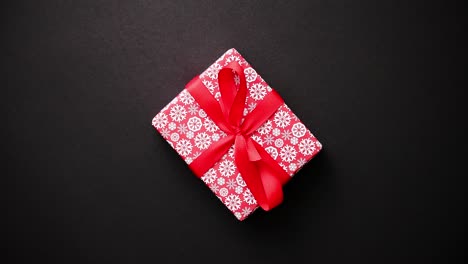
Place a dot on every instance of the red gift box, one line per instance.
(195, 130)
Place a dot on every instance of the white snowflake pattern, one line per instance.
(250, 74)
(293, 140)
(265, 128)
(236, 79)
(193, 109)
(194, 123)
(272, 151)
(160, 120)
(223, 192)
(306, 146)
(248, 197)
(231, 152)
(282, 119)
(239, 189)
(214, 187)
(286, 135)
(174, 137)
(238, 215)
(226, 168)
(186, 98)
(233, 202)
(288, 153)
(301, 162)
(177, 113)
(257, 91)
(292, 167)
(257, 139)
(209, 176)
(215, 137)
(209, 125)
(251, 106)
(202, 113)
(276, 132)
(209, 85)
(221, 181)
(165, 133)
(172, 126)
(318, 144)
(268, 139)
(184, 147)
(213, 71)
(202, 140)
(182, 129)
(246, 211)
(240, 181)
(279, 142)
(298, 130)
(231, 184)
(190, 134)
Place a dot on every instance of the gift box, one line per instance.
(237, 135)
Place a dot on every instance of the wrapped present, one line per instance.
(237, 135)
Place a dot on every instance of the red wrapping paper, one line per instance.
(190, 131)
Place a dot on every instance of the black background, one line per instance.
(90, 181)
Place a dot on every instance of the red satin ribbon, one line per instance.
(261, 173)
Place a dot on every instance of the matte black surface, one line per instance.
(90, 181)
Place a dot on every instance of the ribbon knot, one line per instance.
(263, 176)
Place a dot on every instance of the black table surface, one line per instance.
(90, 181)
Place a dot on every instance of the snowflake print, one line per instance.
(301, 162)
(258, 140)
(232, 202)
(268, 139)
(223, 192)
(307, 146)
(294, 140)
(160, 120)
(189, 134)
(231, 184)
(209, 125)
(272, 151)
(182, 129)
(193, 109)
(209, 85)
(231, 152)
(239, 189)
(194, 123)
(213, 71)
(215, 137)
(214, 187)
(238, 215)
(245, 112)
(202, 113)
(226, 168)
(298, 130)
(231, 59)
(292, 167)
(184, 147)
(240, 181)
(177, 113)
(196, 155)
(282, 119)
(165, 133)
(288, 153)
(202, 141)
(265, 128)
(250, 74)
(257, 91)
(209, 176)
(236, 79)
(221, 181)
(174, 137)
(318, 144)
(286, 135)
(276, 132)
(246, 211)
(186, 98)
(251, 106)
(172, 126)
(279, 142)
(248, 197)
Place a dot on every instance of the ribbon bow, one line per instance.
(261, 173)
